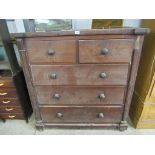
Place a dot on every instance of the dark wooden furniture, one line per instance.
(14, 97)
(81, 78)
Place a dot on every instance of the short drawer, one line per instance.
(9, 102)
(105, 51)
(81, 114)
(62, 51)
(8, 93)
(12, 115)
(79, 95)
(79, 74)
(6, 83)
(10, 109)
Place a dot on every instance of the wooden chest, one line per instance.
(81, 78)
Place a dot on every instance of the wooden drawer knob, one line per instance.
(101, 96)
(103, 75)
(57, 96)
(53, 76)
(101, 115)
(104, 51)
(59, 115)
(51, 52)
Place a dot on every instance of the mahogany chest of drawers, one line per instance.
(81, 78)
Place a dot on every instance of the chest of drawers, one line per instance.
(81, 78)
(14, 98)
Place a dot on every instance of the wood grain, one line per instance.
(81, 114)
(13, 115)
(119, 51)
(9, 102)
(79, 84)
(10, 109)
(79, 95)
(6, 83)
(79, 74)
(112, 31)
(8, 93)
(64, 51)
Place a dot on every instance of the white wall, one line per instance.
(132, 22)
(81, 24)
(15, 26)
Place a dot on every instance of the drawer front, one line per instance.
(8, 93)
(10, 109)
(105, 51)
(80, 95)
(9, 102)
(6, 83)
(81, 114)
(79, 74)
(62, 51)
(12, 115)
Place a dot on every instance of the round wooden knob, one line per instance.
(56, 96)
(102, 96)
(53, 76)
(104, 51)
(103, 75)
(101, 115)
(51, 52)
(59, 115)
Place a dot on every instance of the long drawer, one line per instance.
(12, 109)
(60, 95)
(9, 102)
(108, 74)
(12, 115)
(47, 51)
(81, 114)
(8, 93)
(6, 83)
(106, 51)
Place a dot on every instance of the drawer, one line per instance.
(62, 51)
(79, 74)
(79, 95)
(81, 114)
(105, 51)
(6, 83)
(8, 93)
(9, 102)
(10, 109)
(12, 116)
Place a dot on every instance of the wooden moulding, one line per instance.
(115, 31)
(21, 47)
(133, 74)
